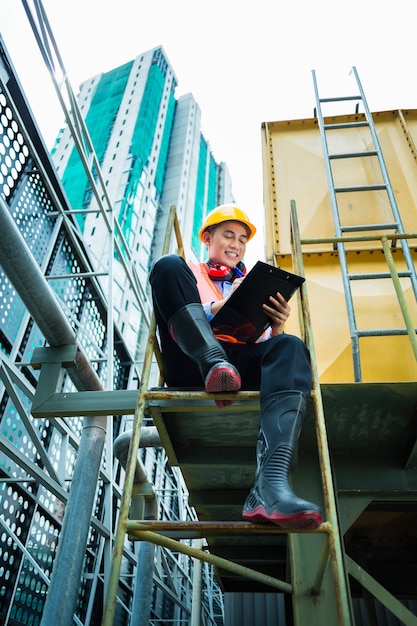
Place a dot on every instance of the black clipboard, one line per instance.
(242, 316)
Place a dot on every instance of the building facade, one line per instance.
(152, 154)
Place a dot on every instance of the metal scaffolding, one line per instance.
(58, 477)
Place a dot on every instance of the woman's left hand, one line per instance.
(278, 310)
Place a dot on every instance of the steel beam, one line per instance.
(387, 599)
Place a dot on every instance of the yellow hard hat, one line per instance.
(227, 213)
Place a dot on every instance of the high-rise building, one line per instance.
(152, 155)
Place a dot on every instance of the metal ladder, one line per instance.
(391, 231)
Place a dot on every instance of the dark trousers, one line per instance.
(281, 363)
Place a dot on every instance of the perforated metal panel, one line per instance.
(13, 149)
(30, 514)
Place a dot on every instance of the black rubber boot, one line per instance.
(191, 331)
(271, 498)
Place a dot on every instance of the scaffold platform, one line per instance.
(371, 430)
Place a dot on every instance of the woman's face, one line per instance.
(226, 243)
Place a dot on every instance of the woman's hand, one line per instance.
(278, 310)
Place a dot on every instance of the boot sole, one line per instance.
(305, 520)
(222, 378)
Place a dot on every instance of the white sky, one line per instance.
(245, 62)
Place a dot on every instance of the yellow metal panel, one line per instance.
(383, 358)
(293, 168)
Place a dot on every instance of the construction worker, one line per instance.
(185, 298)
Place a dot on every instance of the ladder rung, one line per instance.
(345, 125)
(353, 155)
(377, 275)
(361, 227)
(376, 187)
(340, 99)
(193, 529)
(382, 332)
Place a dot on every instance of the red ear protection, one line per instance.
(223, 272)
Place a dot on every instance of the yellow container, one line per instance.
(294, 169)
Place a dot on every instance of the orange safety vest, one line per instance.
(209, 292)
(207, 288)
